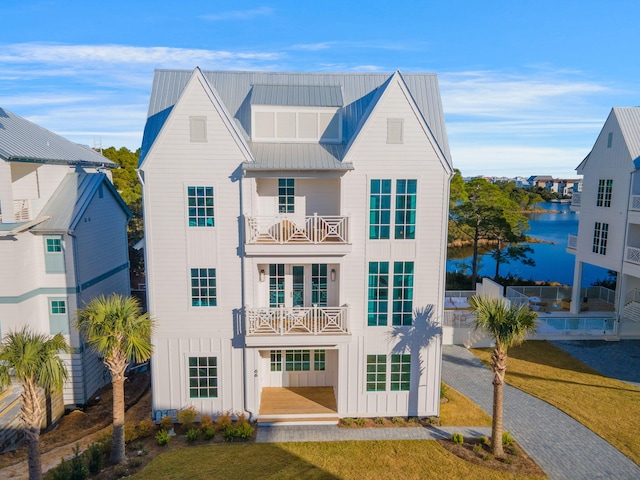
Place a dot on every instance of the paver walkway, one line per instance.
(564, 448)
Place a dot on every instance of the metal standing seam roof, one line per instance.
(68, 203)
(24, 141)
(235, 90)
(297, 95)
(629, 121)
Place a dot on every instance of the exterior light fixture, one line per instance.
(262, 275)
(333, 274)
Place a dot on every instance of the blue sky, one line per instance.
(526, 85)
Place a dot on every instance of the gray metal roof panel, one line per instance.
(297, 95)
(297, 156)
(357, 89)
(629, 121)
(21, 140)
(71, 198)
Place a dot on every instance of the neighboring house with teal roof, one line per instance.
(295, 240)
(63, 240)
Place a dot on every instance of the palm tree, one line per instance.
(36, 364)
(508, 326)
(117, 330)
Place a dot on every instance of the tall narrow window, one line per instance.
(376, 373)
(200, 206)
(203, 377)
(276, 285)
(400, 372)
(402, 293)
(609, 139)
(276, 360)
(319, 360)
(380, 209)
(319, 284)
(53, 254)
(378, 294)
(600, 235)
(405, 209)
(58, 316)
(286, 195)
(203, 287)
(605, 190)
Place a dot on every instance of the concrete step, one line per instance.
(275, 420)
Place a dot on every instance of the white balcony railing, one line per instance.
(576, 198)
(633, 255)
(635, 202)
(312, 230)
(21, 210)
(572, 242)
(298, 321)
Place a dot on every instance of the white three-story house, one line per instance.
(296, 231)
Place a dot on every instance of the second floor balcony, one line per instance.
(297, 235)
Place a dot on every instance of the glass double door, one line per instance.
(298, 285)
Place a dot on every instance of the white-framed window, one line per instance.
(203, 377)
(297, 360)
(286, 195)
(58, 316)
(399, 377)
(381, 220)
(200, 205)
(275, 360)
(400, 372)
(376, 373)
(402, 311)
(605, 190)
(600, 235)
(378, 294)
(54, 254)
(203, 287)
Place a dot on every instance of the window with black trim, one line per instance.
(600, 235)
(605, 190)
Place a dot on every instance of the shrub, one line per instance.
(193, 434)
(223, 421)
(187, 416)
(347, 422)
(443, 389)
(457, 438)
(166, 423)
(433, 421)
(397, 420)
(483, 440)
(61, 472)
(79, 469)
(130, 432)
(244, 430)
(507, 439)
(209, 432)
(163, 437)
(242, 419)
(487, 457)
(414, 420)
(507, 460)
(145, 428)
(360, 421)
(379, 421)
(205, 421)
(95, 458)
(477, 448)
(229, 433)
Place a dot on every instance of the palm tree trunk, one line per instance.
(499, 366)
(31, 412)
(33, 444)
(117, 446)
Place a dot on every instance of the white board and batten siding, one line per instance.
(173, 248)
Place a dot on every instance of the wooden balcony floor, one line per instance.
(299, 401)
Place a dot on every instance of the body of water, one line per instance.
(553, 263)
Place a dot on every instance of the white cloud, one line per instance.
(238, 14)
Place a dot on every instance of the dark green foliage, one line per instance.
(79, 468)
(507, 439)
(443, 389)
(193, 434)
(244, 430)
(229, 433)
(457, 438)
(209, 432)
(95, 458)
(163, 437)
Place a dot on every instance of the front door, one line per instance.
(298, 285)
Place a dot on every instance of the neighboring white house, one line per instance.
(295, 229)
(63, 240)
(609, 206)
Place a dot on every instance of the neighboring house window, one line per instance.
(605, 189)
(286, 195)
(380, 209)
(58, 316)
(319, 284)
(380, 218)
(276, 360)
(203, 377)
(200, 202)
(378, 296)
(319, 360)
(405, 209)
(276, 285)
(395, 133)
(609, 139)
(198, 129)
(400, 372)
(600, 234)
(402, 293)
(203, 287)
(54, 254)
(376, 373)
(298, 360)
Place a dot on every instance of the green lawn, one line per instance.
(608, 407)
(327, 460)
(459, 411)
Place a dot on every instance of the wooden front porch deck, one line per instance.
(298, 405)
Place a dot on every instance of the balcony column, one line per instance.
(6, 193)
(577, 283)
